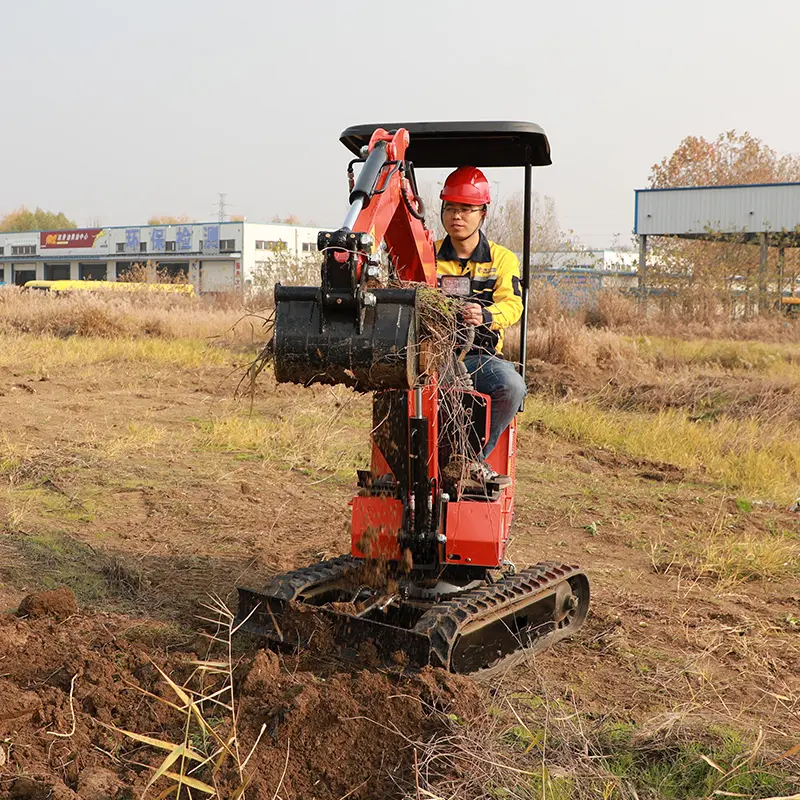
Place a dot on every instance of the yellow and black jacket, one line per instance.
(494, 271)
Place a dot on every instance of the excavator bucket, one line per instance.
(365, 345)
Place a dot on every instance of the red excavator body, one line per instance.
(445, 593)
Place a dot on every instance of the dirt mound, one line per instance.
(323, 733)
(57, 603)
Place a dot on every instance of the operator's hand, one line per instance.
(472, 314)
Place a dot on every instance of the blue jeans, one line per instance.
(501, 381)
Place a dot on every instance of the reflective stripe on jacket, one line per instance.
(494, 271)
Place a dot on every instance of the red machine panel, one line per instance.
(478, 532)
(377, 523)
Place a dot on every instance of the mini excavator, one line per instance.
(447, 596)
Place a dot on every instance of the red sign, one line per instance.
(64, 240)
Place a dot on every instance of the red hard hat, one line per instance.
(467, 185)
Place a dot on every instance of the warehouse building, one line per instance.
(214, 256)
(762, 214)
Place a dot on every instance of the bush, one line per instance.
(612, 310)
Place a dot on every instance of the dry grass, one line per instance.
(760, 460)
(707, 396)
(774, 359)
(40, 354)
(326, 430)
(727, 554)
(207, 704)
(765, 328)
(538, 743)
(567, 342)
(128, 316)
(613, 310)
(730, 558)
(544, 303)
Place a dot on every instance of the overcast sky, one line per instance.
(114, 111)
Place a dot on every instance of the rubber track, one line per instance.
(443, 623)
(290, 584)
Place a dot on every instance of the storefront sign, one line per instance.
(68, 240)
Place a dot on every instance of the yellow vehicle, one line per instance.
(64, 287)
(791, 305)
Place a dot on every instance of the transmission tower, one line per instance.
(221, 206)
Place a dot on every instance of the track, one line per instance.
(532, 610)
(477, 631)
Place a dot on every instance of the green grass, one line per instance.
(675, 770)
(746, 456)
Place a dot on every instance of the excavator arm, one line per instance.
(345, 331)
(389, 208)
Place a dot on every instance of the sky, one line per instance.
(115, 111)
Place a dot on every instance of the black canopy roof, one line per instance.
(458, 144)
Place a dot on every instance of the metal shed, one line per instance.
(765, 214)
(695, 212)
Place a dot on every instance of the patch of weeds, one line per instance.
(744, 505)
(677, 767)
(125, 579)
(67, 509)
(754, 456)
(521, 737)
(60, 560)
(730, 557)
(591, 528)
(553, 787)
(328, 438)
(63, 561)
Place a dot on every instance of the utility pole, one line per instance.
(221, 206)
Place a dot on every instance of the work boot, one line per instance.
(481, 472)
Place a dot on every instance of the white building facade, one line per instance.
(603, 260)
(214, 256)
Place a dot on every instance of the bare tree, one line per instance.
(504, 222)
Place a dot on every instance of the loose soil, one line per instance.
(62, 681)
(143, 530)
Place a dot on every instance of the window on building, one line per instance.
(23, 250)
(56, 272)
(2, 250)
(309, 247)
(276, 246)
(120, 247)
(142, 247)
(227, 244)
(2, 275)
(92, 272)
(169, 246)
